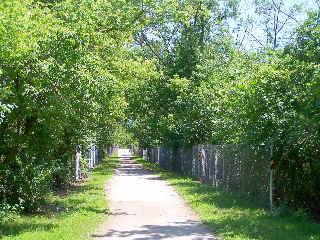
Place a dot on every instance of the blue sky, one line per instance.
(255, 32)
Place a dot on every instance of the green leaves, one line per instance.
(65, 66)
(155, 72)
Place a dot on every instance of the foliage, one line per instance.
(271, 98)
(61, 87)
(8, 212)
(69, 214)
(77, 73)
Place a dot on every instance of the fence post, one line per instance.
(223, 173)
(271, 178)
(77, 165)
(194, 160)
(215, 166)
(91, 157)
(203, 159)
(94, 156)
(144, 154)
(271, 186)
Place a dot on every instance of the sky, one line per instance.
(255, 35)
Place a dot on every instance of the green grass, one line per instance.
(233, 218)
(71, 216)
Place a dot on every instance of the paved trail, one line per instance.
(146, 207)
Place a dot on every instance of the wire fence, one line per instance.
(241, 169)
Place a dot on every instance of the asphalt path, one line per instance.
(143, 206)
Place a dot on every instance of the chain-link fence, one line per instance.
(112, 149)
(241, 169)
(136, 150)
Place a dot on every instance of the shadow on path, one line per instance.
(129, 168)
(176, 230)
(143, 206)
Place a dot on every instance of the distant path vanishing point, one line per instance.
(145, 207)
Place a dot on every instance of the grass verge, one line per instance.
(71, 216)
(233, 218)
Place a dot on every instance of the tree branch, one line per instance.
(256, 39)
(289, 16)
(147, 42)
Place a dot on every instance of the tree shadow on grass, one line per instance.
(74, 189)
(264, 227)
(17, 228)
(239, 217)
(60, 206)
(107, 167)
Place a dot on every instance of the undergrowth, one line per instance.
(67, 215)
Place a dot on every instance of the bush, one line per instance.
(26, 185)
(8, 212)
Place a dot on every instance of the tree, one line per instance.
(180, 30)
(62, 86)
(271, 25)
(178, 37)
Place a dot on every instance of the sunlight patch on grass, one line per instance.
(70, 217)
(234, 218)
